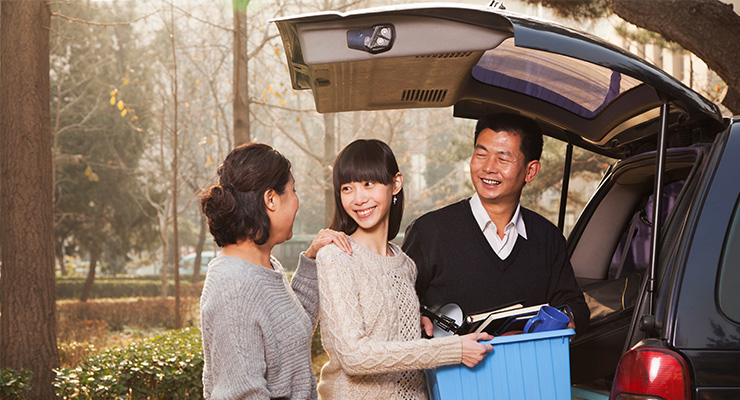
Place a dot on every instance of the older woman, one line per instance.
(256, 326)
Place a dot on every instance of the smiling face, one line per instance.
(369, 203)
(499, 169)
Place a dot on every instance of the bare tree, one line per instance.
(241, 73)
(28, 323)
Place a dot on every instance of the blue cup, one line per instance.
(547, 319)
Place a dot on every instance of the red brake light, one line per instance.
(651, 372)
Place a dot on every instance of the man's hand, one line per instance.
(426, 326)
(571, 323)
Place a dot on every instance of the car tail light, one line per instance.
(651, 373)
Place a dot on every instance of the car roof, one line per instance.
(480, 60)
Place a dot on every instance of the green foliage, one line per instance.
(164, 367)
(13, 383)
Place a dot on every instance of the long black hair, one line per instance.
(364, 160)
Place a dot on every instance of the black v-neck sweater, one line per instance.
(456, 264)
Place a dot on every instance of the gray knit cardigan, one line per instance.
(257, 330)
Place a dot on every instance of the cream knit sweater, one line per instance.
(370, 327)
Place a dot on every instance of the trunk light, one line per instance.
(651, 373)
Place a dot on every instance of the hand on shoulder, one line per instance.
(326, 236)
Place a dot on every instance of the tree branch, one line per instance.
(707, 28)
(82, 21)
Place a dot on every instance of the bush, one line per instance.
(13, 383)
(164, 367)
(71, 288)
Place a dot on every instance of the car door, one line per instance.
(479, 60)
(701, 310)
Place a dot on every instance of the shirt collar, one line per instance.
(483, 219)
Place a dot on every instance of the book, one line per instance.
(499, 321)
(449, 319)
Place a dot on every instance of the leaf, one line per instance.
(120, 104)
(124, 112)
(91, 176)
(113, 100)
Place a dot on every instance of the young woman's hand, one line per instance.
(326, 236)
(473, 352)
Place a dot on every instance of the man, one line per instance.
(488, 251)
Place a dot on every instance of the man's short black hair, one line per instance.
(526, 128)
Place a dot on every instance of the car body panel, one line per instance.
(695, 324)
(437, 49)
(698, 322)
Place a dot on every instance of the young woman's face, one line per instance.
(282, 221)
(367, 203)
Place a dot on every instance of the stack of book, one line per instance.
(496, 322)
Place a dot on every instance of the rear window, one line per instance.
(577, 86)
(729, 277)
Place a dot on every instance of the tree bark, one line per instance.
(28, 322)
(241, 74)
(90, 279)
(330, 137)
(707, 28)
(199, 249)
(175, 145)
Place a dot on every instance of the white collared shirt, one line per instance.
(515, 227)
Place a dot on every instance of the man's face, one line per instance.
(498, 167)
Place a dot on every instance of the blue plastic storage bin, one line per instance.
(527, 366)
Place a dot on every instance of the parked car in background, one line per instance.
(187, 262)
(656, 250)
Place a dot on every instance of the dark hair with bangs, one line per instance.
(235, 208)
(527, 129)
(364, 160)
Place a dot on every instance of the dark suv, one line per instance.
(657, 249)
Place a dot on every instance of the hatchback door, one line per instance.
(480, 60)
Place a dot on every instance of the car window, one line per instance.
(729, 277)
(577, 86)
(639, 232)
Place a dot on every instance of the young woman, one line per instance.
(370, 318)
(256, 326)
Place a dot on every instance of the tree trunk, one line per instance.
(241, 74)
(707, 28)
(90, 280)
(330, 137)
(175, 144)
(164, 272)
(27, 294)
(199, 249)
(59, 252)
